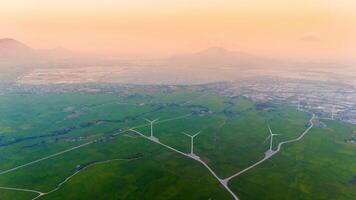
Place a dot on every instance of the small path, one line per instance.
(196, 158)
(45, 158)
(84, 168)
(224, 182)
(83, 145)
(274, 152)
(40, 194)
(22, 190)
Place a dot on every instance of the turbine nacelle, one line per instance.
(151, 121)
(192, 136)
(271, 134)
(192, 142)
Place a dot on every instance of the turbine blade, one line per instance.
(197, 134)
(147, 120)
(186, 134)
(270, 131)
(267, 139)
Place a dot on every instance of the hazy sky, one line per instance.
(278, 28)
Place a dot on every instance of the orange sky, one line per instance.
(277, 28)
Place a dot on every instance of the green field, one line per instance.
(322, 166)
(120, 164)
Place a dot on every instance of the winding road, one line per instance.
(77, 172)
(85, 144)
(223, 182)
(69, 150)
(275, 152)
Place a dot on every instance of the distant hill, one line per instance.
(16, 59)
(13, 49)
(13, 52)
(217, 56)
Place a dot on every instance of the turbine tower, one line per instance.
(332, 112)
(192, 142)
(151, 123)
(271, 139)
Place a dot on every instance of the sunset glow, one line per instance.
(306, 28)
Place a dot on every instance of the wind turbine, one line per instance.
(271, 140)
(192, 141)
(332, 112)
(298, 103)
(151, 123)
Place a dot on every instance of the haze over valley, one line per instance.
(214, 64)
(178, 100)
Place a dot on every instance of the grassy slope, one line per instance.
(30, 115)
(321, 166)
(157, 173)
(232, 138)
(16, 195)
(164, 175)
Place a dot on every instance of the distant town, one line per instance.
(327, 99)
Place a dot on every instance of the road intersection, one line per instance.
(223, 181)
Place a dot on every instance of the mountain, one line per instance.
(210, 65)
(13, 49)
(219, 57)
(13, 52)
(17, 59)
